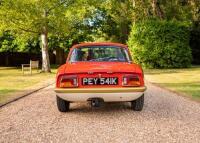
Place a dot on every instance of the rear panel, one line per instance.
(104, 76)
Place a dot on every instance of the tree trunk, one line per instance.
(45, 53)
(157, 11)
(134, 4)
(60, 56)
(124, 31)
(7, 59)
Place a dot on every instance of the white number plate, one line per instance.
(100, 81)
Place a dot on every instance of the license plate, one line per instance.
(100, 81)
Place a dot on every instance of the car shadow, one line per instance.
(105, 107)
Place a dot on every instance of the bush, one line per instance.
(160, 44)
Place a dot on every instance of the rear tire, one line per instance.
(63, 106)
(137, 105)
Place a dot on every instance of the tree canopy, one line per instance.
(43, 17)
(60, 23)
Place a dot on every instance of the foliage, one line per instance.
(115, 17)
(160, 44)
(25, 16)
(44, 17)
(114, 20)
(181, 10)
(67, 22)
(10, 42)
(7, 42)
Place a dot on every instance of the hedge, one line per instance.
(160, 44)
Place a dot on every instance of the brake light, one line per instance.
(68, 81)
(131, 80)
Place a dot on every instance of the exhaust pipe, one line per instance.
(96, 102)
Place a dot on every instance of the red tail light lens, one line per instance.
(68, 81)
(131, 80)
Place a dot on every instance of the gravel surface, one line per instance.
(165, 118)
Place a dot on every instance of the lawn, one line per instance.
(12, 81)
(186, 81)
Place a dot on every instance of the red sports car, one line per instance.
(99, 72)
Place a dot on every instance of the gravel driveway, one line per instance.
(166, 118)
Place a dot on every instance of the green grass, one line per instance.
(12, 80)
(185, 81)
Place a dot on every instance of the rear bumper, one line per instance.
(107, 94)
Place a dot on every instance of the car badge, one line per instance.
(90, 72)
(99, 75)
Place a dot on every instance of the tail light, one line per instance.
(68, 81)
(131, 80)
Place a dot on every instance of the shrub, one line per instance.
(160, 44)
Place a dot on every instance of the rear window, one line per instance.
(100, 54)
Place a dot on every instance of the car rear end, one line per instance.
(104, 73)
(110, 87)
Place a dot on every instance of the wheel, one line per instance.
(63, 106)
(137, 105)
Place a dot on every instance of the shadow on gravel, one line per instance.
(106, 107)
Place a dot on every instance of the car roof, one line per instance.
(99, 44)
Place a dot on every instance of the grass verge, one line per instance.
(186, 81)
(12, 81)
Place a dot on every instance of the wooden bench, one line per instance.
(32, 65)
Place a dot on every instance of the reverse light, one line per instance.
(131, 80)
(67, 81)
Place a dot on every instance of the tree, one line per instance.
(9, 42)
(42, 17)
(115, 18)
